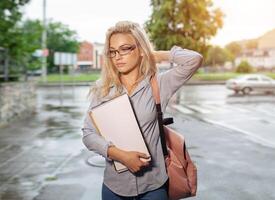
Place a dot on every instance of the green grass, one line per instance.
(222, 76)
(214, 76)
(53, 78)
(271, 75)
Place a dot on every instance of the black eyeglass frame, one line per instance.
(115, 51)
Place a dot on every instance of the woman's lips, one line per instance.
(120, 64)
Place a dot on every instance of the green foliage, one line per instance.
(10, 15)
(251, 44)
(188, 23)
(25, 37)
(60, 38)
(234, 48)
(29, 40)
(217, 56)
(51, 178)
(244, 67)
(10, 34)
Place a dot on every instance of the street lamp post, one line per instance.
(44, 43)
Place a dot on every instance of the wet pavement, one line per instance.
(252, 115)
(43, 158)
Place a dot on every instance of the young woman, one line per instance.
(129, 64)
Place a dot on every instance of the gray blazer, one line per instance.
(154, 176)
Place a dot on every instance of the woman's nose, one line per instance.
(118, 56)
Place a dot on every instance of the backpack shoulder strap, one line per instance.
(156, 95)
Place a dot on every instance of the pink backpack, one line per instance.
(181, 170)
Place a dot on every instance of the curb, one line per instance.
(91, 83)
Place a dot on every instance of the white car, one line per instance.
(251, 82)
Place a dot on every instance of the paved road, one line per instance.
(252, 115)
(42, 157)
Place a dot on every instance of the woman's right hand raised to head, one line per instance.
(131, 159)
(161, 56)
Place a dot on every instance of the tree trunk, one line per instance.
(6, 65)
(25, 69)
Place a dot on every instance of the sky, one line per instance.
(244, 19)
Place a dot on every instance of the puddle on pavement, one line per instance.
(50, 107)
(16, 147)
(60, 129)
(196, 156)
(3, 178)
(60, 133)
(18, 189)
(64, 109)
(264, 121)
(3, 146)
(11, 194)
(10, 152)
(24, 183)
(58, 96)
(54, 122)
(192, 147)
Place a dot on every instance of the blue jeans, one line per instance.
(158, 194)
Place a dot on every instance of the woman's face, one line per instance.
(124, 52)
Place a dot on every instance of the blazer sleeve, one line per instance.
(91, 138)
(187, 62)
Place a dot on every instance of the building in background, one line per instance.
(259, 58)
(98, 55)
(263, 57)
(90, 56)
(267, 41)
(85, 56)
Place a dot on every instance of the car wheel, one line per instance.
(246, 90)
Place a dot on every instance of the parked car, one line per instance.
(251, 82)
(37, 72)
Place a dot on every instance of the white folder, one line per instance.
(116, 122)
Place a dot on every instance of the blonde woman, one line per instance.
(130, 62)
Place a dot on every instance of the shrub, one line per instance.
(244, 67)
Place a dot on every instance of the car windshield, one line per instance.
(266, 78)
(240, 77)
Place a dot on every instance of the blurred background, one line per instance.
(51, 54)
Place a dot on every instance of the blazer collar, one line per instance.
(143, 83)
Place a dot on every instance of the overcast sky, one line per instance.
(244, 19)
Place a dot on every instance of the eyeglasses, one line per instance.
(122, 50)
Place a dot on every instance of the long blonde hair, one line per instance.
(109, 73)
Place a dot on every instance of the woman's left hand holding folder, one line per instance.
(131, 159)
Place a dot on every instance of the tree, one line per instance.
(217, 56)
(188, 23)
(26, 40)
(234, 48)
(10, 15)
(251, 44)
(31, 31)
(60, 38)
